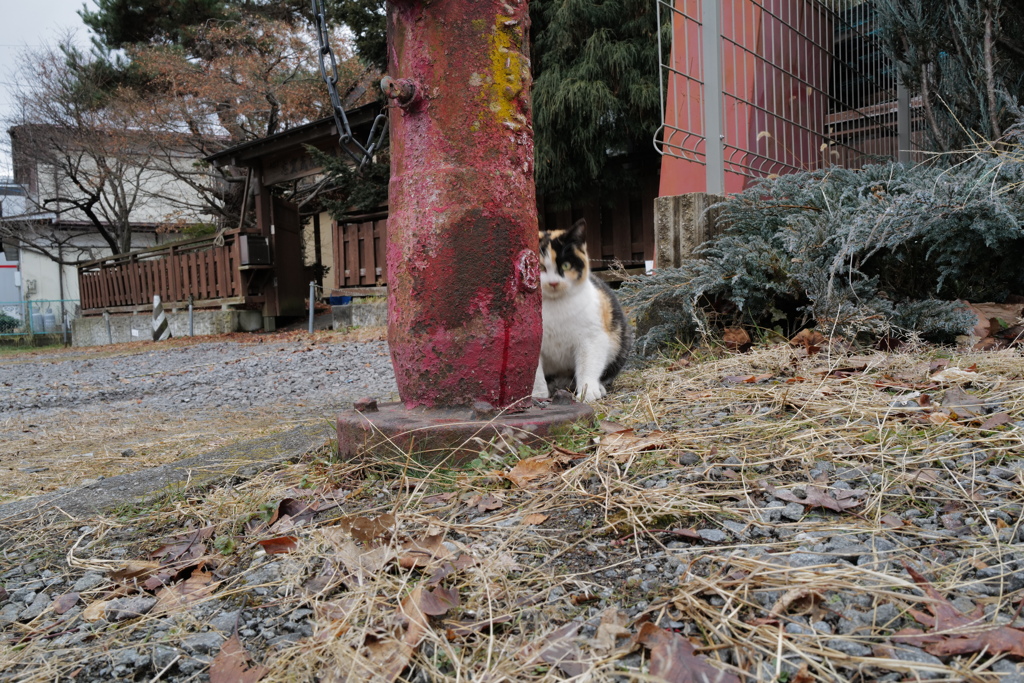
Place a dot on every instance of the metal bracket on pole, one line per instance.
(711, 35)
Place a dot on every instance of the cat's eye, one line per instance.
(566, 266)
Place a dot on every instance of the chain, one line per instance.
(329, 72)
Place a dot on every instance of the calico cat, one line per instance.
(586, 337)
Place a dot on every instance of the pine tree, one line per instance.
(965, 58)
(595, 93)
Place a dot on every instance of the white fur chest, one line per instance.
(571, 322)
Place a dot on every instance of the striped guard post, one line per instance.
(161, 330)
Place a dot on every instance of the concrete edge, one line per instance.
(147, 486)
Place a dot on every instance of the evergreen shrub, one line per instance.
(886, 250)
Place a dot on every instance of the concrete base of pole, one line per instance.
(446, 436)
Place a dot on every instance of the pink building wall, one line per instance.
(774, 79)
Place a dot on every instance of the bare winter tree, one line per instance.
(110, 146)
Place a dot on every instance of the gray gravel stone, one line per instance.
(203, 643)
(713, 535)
(89, 581)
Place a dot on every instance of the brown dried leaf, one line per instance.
(623, 445)
(279, 545)
(817, 496)
(438, 601)
(136, 570)
(460, 629)
(610, 630)
(439, 498)
(943, 618)
(422, 552)
(534, 519)
(95, 611)
(996, 420)
(532, 471)
(673, 659)
(811, 340)
(558, 648)
(62, 603)
(736, 339)
(746, 379)
(193, 589)
(233, 664)
(796, 600)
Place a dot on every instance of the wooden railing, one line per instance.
(197, 268)
(359, 250)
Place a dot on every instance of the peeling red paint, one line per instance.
(463, 311)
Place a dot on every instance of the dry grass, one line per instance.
(812, 421)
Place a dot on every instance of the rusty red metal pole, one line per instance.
(463, 301)
(464, 306)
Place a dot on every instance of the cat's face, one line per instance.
(563, 259)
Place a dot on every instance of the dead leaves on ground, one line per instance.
(672, 657)
(955, 633)
(814, 495)
(233, 664)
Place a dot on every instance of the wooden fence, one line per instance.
(619, 231)
(359, 250)
(199, 268)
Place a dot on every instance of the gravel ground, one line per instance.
(202, 376)
(770, 520)
(71, 415)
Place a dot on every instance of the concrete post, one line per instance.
(681, 224)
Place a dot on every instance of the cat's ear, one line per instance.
(578, 231)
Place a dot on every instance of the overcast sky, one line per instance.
(31, 24)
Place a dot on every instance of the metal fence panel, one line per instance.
(42, 316)
(777, 86)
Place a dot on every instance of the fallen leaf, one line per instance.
(534, 470)
(746, 379)
(135, 570)
(736, 339)
(279, 545)
(811, 340)
(62, 603)
(962, 406)
(673, 659)
(422, 552)
(439, 498)
(438, 601)
(996, 420)
(95, 611)
(233, 664)
(944, 619)
(623, 445)
(460, 629)
(560, 649)
(796, 600)
(610, 630)
(534, 519)
(193, 589)
(189, 548)
(816, 496)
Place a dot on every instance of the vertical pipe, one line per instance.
(903, 153)
(312, 302)
(191, 326)
(711, 37)
(463, 273)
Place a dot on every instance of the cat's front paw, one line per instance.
(594, 392)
